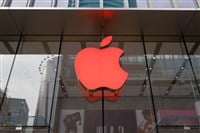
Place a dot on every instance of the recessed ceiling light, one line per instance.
(182, 68)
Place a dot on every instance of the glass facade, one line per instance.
(102, 3)
(39, 87)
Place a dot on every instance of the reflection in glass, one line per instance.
(72, 3)
(1, 2)
(62, 3)
(88, 3)
(19, 3)
(110, 3)
(186, 3)
(132, 3)
(142, 4)
(161, 3)
(43, 3)
(194, 52)
(133, 61)
(172, 78)
(75, 112)
(31, 86)
(7, 51)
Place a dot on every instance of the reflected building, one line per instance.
(47, 69)
(18, 112)
(4, 113)
(15, 113)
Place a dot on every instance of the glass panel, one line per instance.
(194, 52)
(132, 3)
(130, 108)
(72, 3)
(186, 3)
(30, 90)
(77, 112)
(88, 3)
(62, 3)
(7, 53)
(161, 3)
(173, 84)
(19, 3)
(43, 3)
(1, 1)
(110, 3)
(142, 4)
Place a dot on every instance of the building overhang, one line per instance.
(98, 22)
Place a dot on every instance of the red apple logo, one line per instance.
(100, 68)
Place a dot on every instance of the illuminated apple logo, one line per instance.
(100, 68)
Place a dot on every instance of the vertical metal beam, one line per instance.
(151, 66)
(150, 86)
(190, 61)
(103, 100)
(55, 82)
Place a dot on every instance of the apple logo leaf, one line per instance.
(106, 41)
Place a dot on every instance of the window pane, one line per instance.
(126, 102)
(161, 3)
(110, 3)
(30, 89)
(132, 3)
(7, 53)
(142, 3)
(173, 84)
(1, 1)
(88, 3)
(72, 3)
(62, 3)
(19, 3)
(43, 3)
(186, 3)
(75, 109)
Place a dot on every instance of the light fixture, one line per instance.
(182, 68)
(18, 128)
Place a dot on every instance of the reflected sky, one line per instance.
(25, 81)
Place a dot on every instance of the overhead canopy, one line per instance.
(95, 22)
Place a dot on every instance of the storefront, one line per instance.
(40, 91)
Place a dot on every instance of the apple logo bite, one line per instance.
(100, 68)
